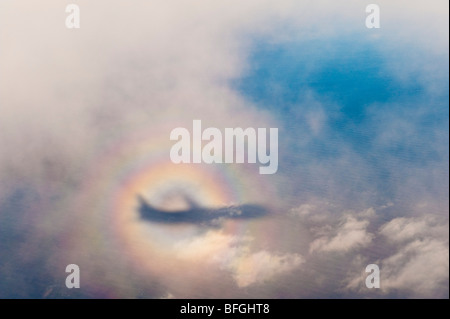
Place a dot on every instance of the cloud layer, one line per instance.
(363, 125)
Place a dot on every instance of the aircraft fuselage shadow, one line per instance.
(198, 215)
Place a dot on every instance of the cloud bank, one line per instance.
(363, 167)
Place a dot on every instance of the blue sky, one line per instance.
(351, 77)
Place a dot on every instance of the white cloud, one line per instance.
(349, 235)
(168, 296)
(232, 253)
(403, 229)
(415, 262)
(262, 266)
(420, 268)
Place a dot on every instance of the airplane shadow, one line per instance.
(199, 215)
